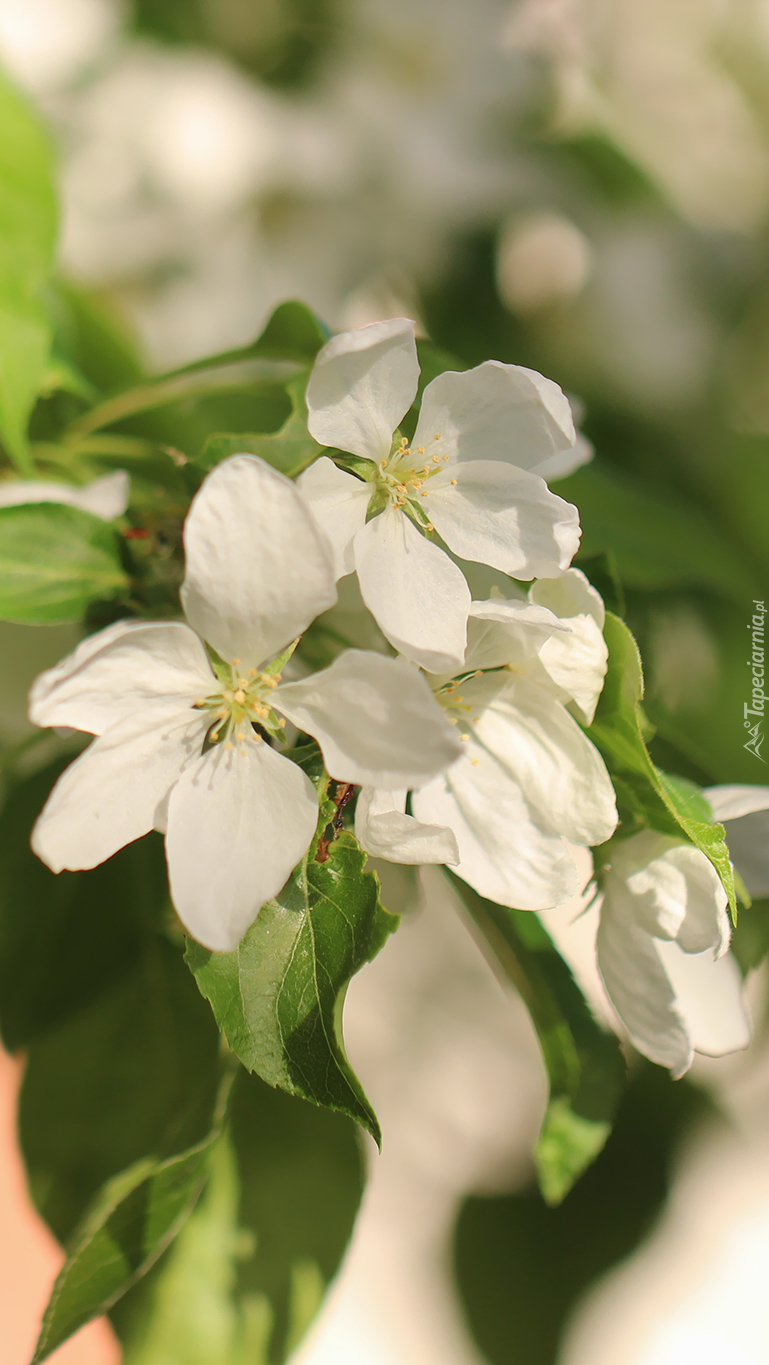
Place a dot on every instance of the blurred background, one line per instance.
(580, 186)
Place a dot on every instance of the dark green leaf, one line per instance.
(278, 997)
(129, 1225)
(27, 233)
(646, 796)
(132, 1075)
(54, 560)
(584, 1064)
(291, 449)
(66, 939)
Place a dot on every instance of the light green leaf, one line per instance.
(130, 1224)
(54, 561)
(646, 796)
(291, 449)
(584, 1064)
(278, 997)
(27, 234)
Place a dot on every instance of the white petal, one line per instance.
(730, 802)
(504, 632)
(385, 831)
(419, 597)
(109, 796)
(496, 412)
(577, 664)
(239, 821)
(565, 461)
(571, 594)
(562, 774)
(503, 853)
(339, 502)
(375, 719)
(503, 516)
(637, 983)
(106, 497)
(117, 672)
(362, 385)
(710, 997)
(258, 569)
(676, 891)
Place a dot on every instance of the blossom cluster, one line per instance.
(467, 742)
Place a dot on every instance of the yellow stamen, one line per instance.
(453, 483)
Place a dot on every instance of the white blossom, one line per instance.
(528, 780)
(177, 748)
(662, 952)
(470, 474)
(106, 497)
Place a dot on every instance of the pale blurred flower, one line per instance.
(744, 813)
(48, 44)
(543, 259)
(107, 497)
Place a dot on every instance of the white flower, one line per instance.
(661, 949)
(176, 748)
(470, 474)
(528, 779)
(106, 497)
(744, 813)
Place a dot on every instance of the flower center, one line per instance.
(403, 476)
(451, 698)
(245, 700)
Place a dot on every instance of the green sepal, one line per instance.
(584, 1063)
(54, 561)
(646, 796)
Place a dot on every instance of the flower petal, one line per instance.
(505, 632)
(562, 774)
(375, 719)
(503, 853)
(496, 412)
(637, 983)
(258, 569)
(503, 516)
(114, 674)
(571, 594)
(106, 497)
(239, 820)
(385, 831)
(109, 796)
(731, 802)
(677, 892)
(565, 461)
(338, 502)
(710, 997)
(419, 597)
(577, 662)
(362, 385)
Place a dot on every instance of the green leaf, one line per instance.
(291, 449)
(54, 561)
(59, 948)
(133, 1074)
(584, 1064)
(646, 796)
(293, 332)
(27, 234)
(130, 1224)
(249, 1269)
(278, 997)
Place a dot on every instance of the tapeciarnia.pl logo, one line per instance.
(753, 711)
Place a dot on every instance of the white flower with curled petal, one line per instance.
(662, 947)
(470, 474)
(528, 779)
(106, 497)
(178, 748)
